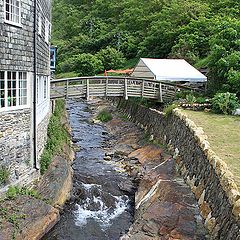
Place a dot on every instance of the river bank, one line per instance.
(125, 186)
(28, 213)
(164, 206)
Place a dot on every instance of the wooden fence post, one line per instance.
(87, 89)
(66, 89)
(125, 89)
(160, 92)
(142, 88)
(106, 89)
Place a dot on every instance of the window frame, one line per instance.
(42, 89)
(18, 24)
(18, 88)
(46, 34)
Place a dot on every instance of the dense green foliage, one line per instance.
(57, 136)
(95, 35)
(225, 103)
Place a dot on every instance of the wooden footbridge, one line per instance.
(99, 86)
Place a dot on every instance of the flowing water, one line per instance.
(98, 209)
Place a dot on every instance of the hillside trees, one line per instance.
(204, 32)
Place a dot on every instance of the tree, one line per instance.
(111, 58)
(84, 64)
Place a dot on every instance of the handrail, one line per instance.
(75, 79)
(115, 86)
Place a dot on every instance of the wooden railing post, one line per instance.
(125, 89)
(106, 89)
(160, 93)
(142, 88)
(87, 89)
(66, 89)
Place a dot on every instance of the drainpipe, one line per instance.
(35, 165)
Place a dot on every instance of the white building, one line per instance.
(169, 70)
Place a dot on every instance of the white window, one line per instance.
(13, 89)
(42, 89)
(40, 24)
(13, 11)
(47, 25)
(45, 87)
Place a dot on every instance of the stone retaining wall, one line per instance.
(15, 147)
(207, 175)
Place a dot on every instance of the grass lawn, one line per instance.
(223, 135)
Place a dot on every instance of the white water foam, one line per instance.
(104, 214)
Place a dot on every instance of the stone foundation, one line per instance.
(15, 143)
(206, 174)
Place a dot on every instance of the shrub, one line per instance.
(104, 116)
(169, 109)
(225, 103)
(111, 58)
(190, 98)
(4, 175)
(84, 64)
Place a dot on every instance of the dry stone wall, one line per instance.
(207, 175)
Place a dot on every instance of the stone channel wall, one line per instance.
(206, 174)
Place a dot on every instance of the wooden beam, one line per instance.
(106, 89)
(160, 92)
(125, 89)
(87, 89)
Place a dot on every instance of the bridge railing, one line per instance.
(101, 86)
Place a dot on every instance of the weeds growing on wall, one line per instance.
(57, 136)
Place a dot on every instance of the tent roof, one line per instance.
(173, 70)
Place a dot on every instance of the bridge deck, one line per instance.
(86, 87)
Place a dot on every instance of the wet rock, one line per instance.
(150, 228)
(127, 186)
(56, 184)
(38, 218)
(107, 158)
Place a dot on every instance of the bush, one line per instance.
(169, 109)
(84, 64)
(104, 116)
(190, 98)
(225, 103)
(111, 58)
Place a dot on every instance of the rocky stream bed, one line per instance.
(124, 186)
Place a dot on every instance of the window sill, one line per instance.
(14, 24)
(12, 109)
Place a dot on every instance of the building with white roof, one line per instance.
(173, 70)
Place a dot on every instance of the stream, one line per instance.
(98, 209)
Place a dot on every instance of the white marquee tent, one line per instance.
(174, 70)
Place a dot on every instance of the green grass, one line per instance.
(57, 136)
(223, 133)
